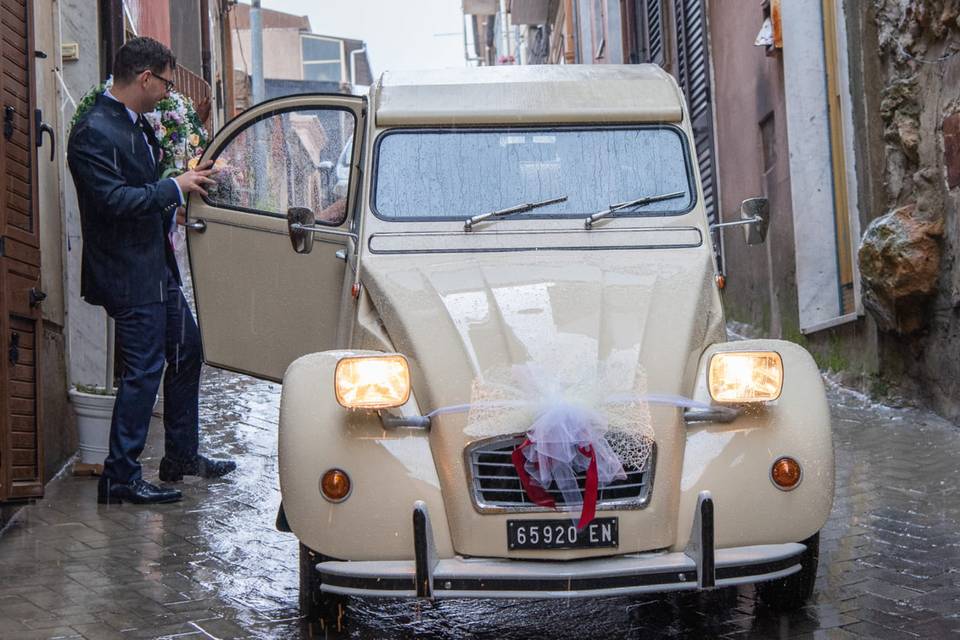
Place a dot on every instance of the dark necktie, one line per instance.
(149, 137)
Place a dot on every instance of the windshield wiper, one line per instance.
(588, 223)
(480, 217)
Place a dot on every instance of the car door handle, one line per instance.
(197, 225)
(341, 254)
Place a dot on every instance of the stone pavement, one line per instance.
(214, 567)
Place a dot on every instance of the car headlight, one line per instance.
(745, 376)
(372, 382)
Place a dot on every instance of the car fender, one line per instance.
(389, 469)
(733, 460)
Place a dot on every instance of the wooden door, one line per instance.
(21, 454)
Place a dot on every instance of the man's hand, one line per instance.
(196, 179)
(203, 109)
(181, 215)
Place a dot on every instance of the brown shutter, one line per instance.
(693, 74)
(653, 30)
(21, 455)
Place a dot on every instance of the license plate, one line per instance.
(561, 534)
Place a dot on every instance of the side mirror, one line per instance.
(755, 214)
(300, 238)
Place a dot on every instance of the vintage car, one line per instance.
(522, 254)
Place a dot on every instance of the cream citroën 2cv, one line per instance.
(505, 366)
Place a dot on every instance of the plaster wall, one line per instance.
(86, 324)
(614, 46)
(58, 432)
(152, 17)
(753, 160)
(282, 57)
(185, 34)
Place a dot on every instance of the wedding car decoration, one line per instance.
(585, 428)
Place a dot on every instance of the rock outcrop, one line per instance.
(899, 267)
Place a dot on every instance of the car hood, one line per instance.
(638, 318)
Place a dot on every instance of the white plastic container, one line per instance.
(93, 424)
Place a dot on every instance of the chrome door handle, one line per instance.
(341, 254)
(197, 225)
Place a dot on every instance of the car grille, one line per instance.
(496, 487)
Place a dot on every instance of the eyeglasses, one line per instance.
(170, 84)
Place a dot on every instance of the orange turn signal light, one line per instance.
(786, 473)
(335, 485)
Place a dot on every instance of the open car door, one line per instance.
(260, 304)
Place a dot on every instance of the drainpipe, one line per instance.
(505, 29)
(569, 39)
(353, 64)
(226, 44)
(205, 42)
(256, 52)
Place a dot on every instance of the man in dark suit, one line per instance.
(128, 267)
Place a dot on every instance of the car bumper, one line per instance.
(700, 566)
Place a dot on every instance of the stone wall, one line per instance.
(908, 255)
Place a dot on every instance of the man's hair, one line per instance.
(138, 55)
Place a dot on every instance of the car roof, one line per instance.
(519, 94)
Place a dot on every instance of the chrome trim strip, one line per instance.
(460, 577)
(276, 232)
(713, 414)
(481, 506)
(584, 244)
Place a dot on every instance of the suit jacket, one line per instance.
(125, 209)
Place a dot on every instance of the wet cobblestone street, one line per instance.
(213, 566)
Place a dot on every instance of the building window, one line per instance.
(322, 58)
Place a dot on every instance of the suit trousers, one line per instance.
(148, 336)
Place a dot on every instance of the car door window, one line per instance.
(287, 159)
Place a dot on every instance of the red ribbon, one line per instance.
(589, 509)
(534, 491)
(540, 496)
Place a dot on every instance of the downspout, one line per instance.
(256, 55)
(569, 39)
(226, 43)
(205, 42)
(111, 33)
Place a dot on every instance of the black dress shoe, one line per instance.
(137, 492)
(173, 470)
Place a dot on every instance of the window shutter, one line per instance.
(693, 75)
(653, 21)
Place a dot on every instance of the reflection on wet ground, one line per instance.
(214, 567)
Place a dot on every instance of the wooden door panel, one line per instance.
(22, 461)
(21, 437)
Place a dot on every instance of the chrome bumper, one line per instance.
(697, 567)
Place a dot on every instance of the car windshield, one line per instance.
(458, 173)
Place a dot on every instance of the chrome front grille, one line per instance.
(495, 486)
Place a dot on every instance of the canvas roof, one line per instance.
(533, 93)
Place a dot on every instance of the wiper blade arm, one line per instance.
(588, 223)
(520, 208)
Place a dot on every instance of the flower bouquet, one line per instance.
(176, 124)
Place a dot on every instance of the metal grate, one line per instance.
(495, 485)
